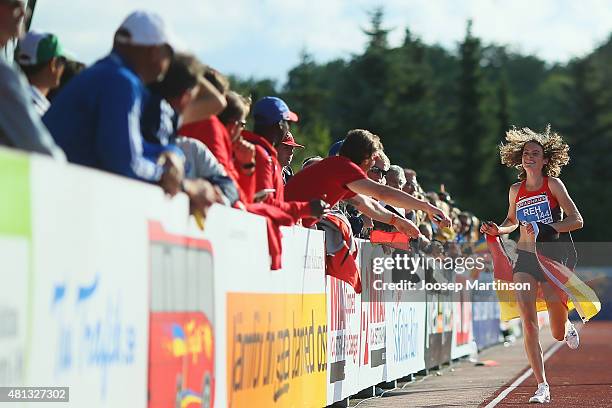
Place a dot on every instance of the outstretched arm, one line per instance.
(374, 210)
(398, 198)
(510, 223)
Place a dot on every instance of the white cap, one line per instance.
(145, 29)
(37, 48)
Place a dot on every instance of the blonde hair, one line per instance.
(555, 150)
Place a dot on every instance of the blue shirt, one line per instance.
(96, 121)
(159, 122)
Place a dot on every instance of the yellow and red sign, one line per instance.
(276, 350)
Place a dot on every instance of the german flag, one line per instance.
(570, 290)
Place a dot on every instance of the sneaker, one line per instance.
(571, 337)
(542, 395)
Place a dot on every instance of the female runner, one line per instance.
(541, 197)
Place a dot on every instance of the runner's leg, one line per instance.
(557, 312)
(526, 300)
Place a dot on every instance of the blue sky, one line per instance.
(264, 38)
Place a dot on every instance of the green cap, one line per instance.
(37, 48)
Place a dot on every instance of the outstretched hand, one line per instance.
(438, 216)
(407, 227)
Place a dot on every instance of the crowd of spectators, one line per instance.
(150, 112)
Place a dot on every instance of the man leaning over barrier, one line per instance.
(96, 117)
(343, 177)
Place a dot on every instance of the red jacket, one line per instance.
(268, 174)
(214, 135)
(275, 217)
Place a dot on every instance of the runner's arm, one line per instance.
(573, 219)
(510, 223)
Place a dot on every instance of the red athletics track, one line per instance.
(579, 378)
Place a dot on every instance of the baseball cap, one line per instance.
(145, 29)
(270, 110)
(335, 148)
(37, 48)
(290, 141)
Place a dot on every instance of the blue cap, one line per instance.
(270, 110)
(335, 148)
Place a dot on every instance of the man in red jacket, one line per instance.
(272, 117)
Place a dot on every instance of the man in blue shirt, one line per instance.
(96, 117)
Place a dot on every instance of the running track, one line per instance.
(578, 378)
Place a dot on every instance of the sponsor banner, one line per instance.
(14, 253)
(15, 247)
(242, 269)
(181, 365)
(241, 265)
(439, 317)
(90, 290)
(463, 334)
(373, 347)
(405, 317)
(343, 330)
(181, 346)
(277, 350)
(485, 315)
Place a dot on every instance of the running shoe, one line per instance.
(571, 337)
(542, 395)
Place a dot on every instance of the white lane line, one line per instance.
(523, 377)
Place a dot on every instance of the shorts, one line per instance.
(527, 262)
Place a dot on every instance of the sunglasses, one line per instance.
(378, 170)
(241, 123)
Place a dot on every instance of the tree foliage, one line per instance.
(444, 112)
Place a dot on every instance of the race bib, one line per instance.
(535, 208)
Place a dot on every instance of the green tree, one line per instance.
(472, 131)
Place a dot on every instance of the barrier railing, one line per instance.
(113, 291)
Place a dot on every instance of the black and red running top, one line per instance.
(539, 205)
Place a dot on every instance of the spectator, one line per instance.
(285, 155)
(396, 177)
(310, 161)
(97, 115)
(335, 148)
(218, 135)
(42, 60)
(169, 100)
(183, 92)
(378, 171)
(208, 102)
(464, 233)
(71, 69)
(343, 178)
(475, 236)
(202, 165)
(272, 117)
(210, 130)
(412, 185)
(238, 155)
(426, 230)
(20, 125)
